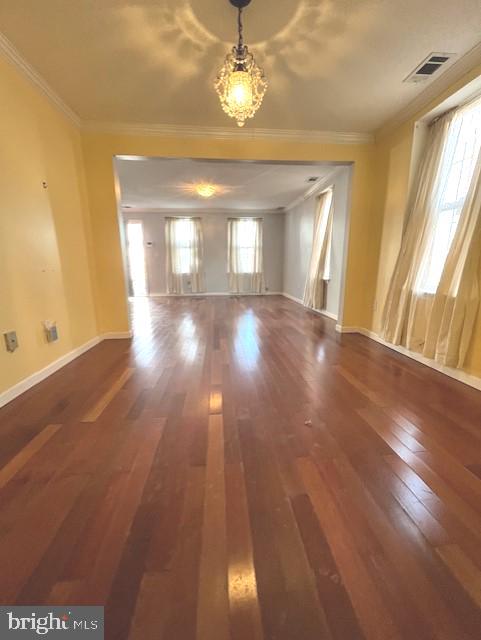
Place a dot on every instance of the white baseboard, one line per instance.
(30, 381)
(116, 335)
(293, 298)
(456, 374)
(321, 312)
(343, 329)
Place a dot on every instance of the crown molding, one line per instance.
(434, 90)
(17, 60)
(229, 133)
(196, 211)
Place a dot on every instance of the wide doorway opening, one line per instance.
(198, 227)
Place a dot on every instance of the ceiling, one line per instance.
(332, 65)
(157, 183)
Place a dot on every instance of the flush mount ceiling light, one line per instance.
(205, 190)
(240, 83)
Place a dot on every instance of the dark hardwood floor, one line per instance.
(241, 472)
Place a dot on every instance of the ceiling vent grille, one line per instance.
(429, 66)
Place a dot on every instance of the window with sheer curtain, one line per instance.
(457, 165)
(244, 250)
(315, 290)
(183, 239)
(245, 246)
(434, 295)
(184, 254)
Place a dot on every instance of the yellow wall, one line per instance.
(393, 160)
(44, 253)
(100, 149)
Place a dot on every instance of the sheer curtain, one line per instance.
(244, 255)
(318, 274)
(184, 254)
(434, 294)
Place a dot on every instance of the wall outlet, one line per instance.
(11, 342)
(50, 327)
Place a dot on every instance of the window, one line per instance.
(136, 258)
(319, 271)
(244, 255)
(183, 237)
(454, 177)
(184, 251)
(244, 244)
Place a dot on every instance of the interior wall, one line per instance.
(214, 225)
(395, 163)
(44, 236)
(299, 230)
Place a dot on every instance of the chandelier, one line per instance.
(240, 83)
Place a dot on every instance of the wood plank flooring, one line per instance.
(239, 471)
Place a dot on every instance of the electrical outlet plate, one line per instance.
(11, 341)
(50, 328)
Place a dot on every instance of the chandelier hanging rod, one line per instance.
(240, 45)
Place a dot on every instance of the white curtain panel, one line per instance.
(184, 255)
(433, 298)
(456, 302)
(244, 255)
(318, 273)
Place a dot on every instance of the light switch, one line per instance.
(11, 341)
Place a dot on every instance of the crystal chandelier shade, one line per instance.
(240, 83)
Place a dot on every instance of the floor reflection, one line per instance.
(140, 316)
(189, 338)
(246, 341)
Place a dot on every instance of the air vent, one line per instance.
(313, 179)
(428, 67)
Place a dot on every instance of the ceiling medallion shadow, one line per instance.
(240, 83)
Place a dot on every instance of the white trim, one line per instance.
(17, 60)
(457, 374)
(116, 335)
(293, 298)
(229, 133)
(321, 312)
(344, 329)
(33, 379)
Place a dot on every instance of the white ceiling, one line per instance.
(157, 183)
(332, 65)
